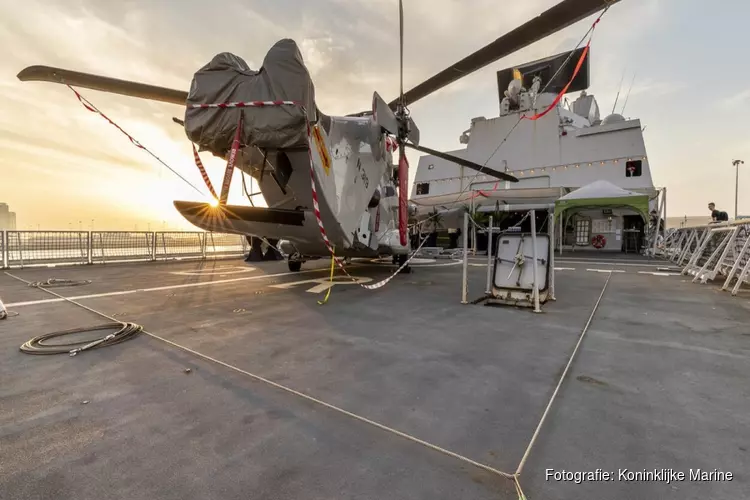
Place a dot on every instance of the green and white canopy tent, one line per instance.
(602, 194)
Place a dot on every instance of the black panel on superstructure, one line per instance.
(546, 68)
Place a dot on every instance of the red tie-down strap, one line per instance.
(203, 172)
(230, 163)
(229, 170)
(230, 166)
(486, 194)
(575, 73)
(403, 198)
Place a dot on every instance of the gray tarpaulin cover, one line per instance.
(227, 78)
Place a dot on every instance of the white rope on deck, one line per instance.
(514, 476)
(292, 391)
(562, 378)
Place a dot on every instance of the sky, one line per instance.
(62, 166)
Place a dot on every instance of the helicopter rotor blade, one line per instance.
(556, 18)
(464, 163)
(401, 49)
(102, 83)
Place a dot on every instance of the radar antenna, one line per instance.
(628, 96)
(618, 92)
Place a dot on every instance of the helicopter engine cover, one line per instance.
(228, 78)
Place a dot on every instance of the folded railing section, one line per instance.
(710, 253)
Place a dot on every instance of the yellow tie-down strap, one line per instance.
(333, 268)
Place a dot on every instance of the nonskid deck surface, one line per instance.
(660, 381)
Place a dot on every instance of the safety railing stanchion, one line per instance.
(741, 278)
(465, 280)
(6, 250)
(552, 255)
(20, 247)
(737, 263)
(535, 265)
(90, 248)
(489, 257)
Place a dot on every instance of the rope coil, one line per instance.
(54, 282)
(39, 345)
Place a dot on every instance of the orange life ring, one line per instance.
(598, 241)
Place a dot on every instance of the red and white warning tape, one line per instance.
(339, 261)
(87, 104)
(246, 104)
(203, 172)
(391, 145)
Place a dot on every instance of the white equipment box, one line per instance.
(513, 274)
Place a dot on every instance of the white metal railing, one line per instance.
(712, 251)
(39, 248)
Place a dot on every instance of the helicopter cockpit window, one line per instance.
(390, 191)
(423, 188)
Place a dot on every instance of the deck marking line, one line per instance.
(562, 377)
(162, 288)
(202, 283)
(603, 263)
(606, 270)
(565, 269)
(216, 270)
(659, 273)
(292, 391)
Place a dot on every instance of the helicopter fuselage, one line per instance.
(353, 171)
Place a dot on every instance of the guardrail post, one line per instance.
(6, 250)
(203, 239)
(90, 248)
(552, 254)
(536, 262)
(465, 277)
(20, 248)
(153, 246)
(488, 290)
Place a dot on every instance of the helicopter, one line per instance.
(330, 182)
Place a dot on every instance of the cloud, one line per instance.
(735, 101)
(350, 46)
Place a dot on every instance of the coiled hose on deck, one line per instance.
(39, 345)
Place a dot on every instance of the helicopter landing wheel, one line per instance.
(295, 265)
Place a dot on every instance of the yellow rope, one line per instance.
(333, 267)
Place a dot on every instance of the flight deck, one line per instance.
(188, 409)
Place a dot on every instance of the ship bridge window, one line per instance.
(423, 188)
(633, 168)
